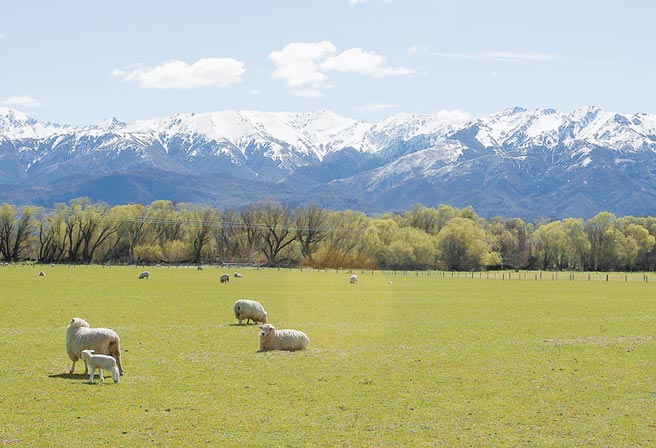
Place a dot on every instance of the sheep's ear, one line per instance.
(72, 320)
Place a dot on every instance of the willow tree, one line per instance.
(310, 229)
(15, 231)
(278, 230)
(463, 246)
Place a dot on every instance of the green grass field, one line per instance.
(425, 361)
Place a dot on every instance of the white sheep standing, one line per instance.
(102, 363)
(104, 341)
(353, 279)
(291, 340)
(249, 310)
(144, 274)
(225, 278)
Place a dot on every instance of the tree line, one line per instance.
(273, 234)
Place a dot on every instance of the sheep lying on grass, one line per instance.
(291, 340)
(238, 275)
(79, 336)
(225, 278)
(102, 363)
(144, 274)
(249, 310)
(353, 279)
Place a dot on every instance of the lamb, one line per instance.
(225, 278)
(144, 274)
(42, 274)
(79, 336)
(238, 275)
(353, 279)
(290, 340)
(249, 310)
(102, 363)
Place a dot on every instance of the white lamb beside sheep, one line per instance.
(102, 363)
(249, 310)
(79, 336)
(290, 340)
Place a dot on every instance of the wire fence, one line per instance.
(481, 275)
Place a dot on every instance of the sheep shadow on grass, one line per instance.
(70, 376)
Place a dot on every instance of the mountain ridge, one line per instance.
(526, 163)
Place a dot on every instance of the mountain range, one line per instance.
(514, 163)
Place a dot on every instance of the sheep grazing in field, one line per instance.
(249, 310)
(104, 341)
(290, 340)
(353, 279)
(199, 268)
(144, 274)
(238, 275)
(225, 278)
(42, 274)
(102, 363)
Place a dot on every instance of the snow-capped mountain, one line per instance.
(516, 162)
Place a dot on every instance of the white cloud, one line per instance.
(180, 75)
(364, 62)
(297, 63)
(304, 66)
(495, 75)
(24, 101)
(373, 107)
(355, 2)
(2, 36)
(255, 91)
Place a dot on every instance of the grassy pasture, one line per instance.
(425, 361)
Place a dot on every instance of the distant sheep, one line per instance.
(42, 274)
(144, 274)
(225, 278)
(353, 279)
(238, 275)
(291, 340)
(102, 363)
(79, 336)
(249, 310)
(199, 268)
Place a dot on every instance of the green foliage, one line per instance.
(424, 361)
(272, 234)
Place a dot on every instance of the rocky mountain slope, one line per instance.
(512, 163)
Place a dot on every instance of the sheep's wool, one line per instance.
(104, 341)
(291, 340)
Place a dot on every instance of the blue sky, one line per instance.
(80, 62)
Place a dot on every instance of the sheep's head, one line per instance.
(266, 330)
(77, 322)
(86, 354)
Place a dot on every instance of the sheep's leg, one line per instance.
(117, 357)
(72, 368)
(93, 371)
(86, 367)
(101, 374)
